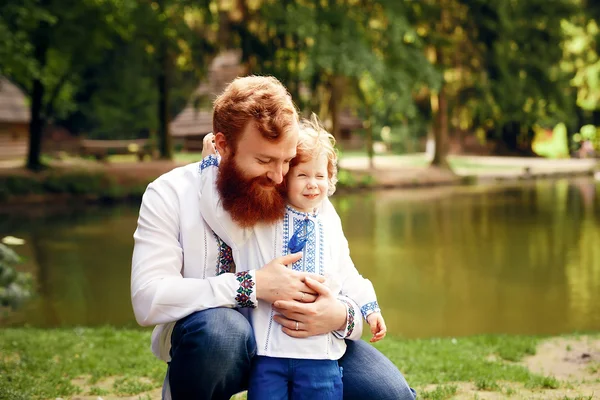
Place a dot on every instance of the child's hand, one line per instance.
(208, 145)
(377, 325)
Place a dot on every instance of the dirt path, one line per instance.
(575, 363)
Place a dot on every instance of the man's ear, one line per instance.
(221, 144)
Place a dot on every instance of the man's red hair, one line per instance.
(260, 99)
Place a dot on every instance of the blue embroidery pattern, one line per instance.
(244, 292)
(208, 161)
(307, 262)
(369, 308)
(225, 261)
(350, 321)
(321, 249)
(286, 234)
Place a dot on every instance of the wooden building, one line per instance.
(14, 121)
(191, 125)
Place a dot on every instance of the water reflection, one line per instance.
(445, 261)
(455, 262)
(81, 259)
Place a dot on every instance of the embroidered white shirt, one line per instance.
(179, 266)
(326, 253)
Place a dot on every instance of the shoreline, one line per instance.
(126, 182)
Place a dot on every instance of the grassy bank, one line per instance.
(110, 362)
(104, 183)
(122, 179)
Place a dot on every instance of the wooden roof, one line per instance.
(194, 120)
(13, 103)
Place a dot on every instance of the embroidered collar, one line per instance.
(301, 213)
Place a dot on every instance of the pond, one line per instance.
(513, 258)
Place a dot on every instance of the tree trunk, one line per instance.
(440, 132)
(165, 142)
(37, 122)
(333, 110)
(370, 152)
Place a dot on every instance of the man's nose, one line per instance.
(275, 174)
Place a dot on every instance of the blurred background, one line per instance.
(417, 93)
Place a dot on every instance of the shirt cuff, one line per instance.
(370, 308)
(246, 292)
(350, 315)
(209, 160)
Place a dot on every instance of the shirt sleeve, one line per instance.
(159, 292)
(354, 326)
(211, 207)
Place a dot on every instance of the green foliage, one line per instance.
(15, 287)
(582, 61)
(588, 133)
(74, 183)
(554, 147)
(504, 66)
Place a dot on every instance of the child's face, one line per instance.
(308, 184)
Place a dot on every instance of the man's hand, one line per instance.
(377, 325)
(208, 145)
(276, 282)
(301, 319)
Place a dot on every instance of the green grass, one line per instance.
(439, 361)
(54, 358)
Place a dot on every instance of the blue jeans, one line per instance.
(297, 379)
(212, 351)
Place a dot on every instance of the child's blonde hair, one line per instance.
(313, 141)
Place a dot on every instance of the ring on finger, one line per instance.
(296, 325)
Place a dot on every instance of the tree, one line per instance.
(522, 83)
(68, 36)
(180, 39)
(15, 287)
(363, 55)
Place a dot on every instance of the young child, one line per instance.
(286, 366)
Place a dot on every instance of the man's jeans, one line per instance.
(296, 379)
(211, 353)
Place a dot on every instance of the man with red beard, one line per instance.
(184, 280)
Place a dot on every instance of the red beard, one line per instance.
(249, 201)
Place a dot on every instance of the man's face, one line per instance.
(250, 176)
(257, 156)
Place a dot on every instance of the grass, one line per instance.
(440, 361)
(109, 361)
(54, 358)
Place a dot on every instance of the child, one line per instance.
(287, 366)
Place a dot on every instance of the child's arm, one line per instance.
(353, 285)
(211, 208)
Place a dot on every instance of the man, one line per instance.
(184, 280)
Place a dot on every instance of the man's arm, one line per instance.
(159, 292)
